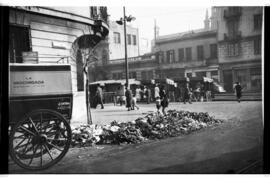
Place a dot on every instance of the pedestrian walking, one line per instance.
(164, 99)
(129, 97)
(238, 91)
(137, 94)
(187, 94)
(157, 91)
(99, 97)
(134, 103)
(148, 95)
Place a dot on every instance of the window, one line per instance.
(19, 41)
(134, 40)
(181, 54)
(129, 39)
(232, 28)
(150, 75)
(188, 54)
(117, 76)
(256, 78)
(233, 49)
(144, 75)
(114, 76)
(161, 57)
(257, 22)
(200, 52)
(132, 75)
(213, 50)
(241, 76)
(147, 75)
(257, 46)
(170, 56)
(116, 36)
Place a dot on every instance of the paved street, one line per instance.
(226, 148)
(221, 110)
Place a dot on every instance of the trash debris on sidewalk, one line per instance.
(151, 126)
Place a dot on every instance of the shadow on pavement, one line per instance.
(229, 163)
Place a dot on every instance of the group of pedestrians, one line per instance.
(143, 94)
(160, 94)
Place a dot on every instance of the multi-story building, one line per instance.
(117, 43)
(57, 35)
(192, 53)
(227, 49)
(239, 45)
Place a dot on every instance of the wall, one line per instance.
(193, 43)
(248, 34)
(46, 31)
(117, 51)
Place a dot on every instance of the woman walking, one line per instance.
(164, 99)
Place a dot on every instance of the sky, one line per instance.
(170, 20)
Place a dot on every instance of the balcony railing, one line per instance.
(236, 36)
(232, 12)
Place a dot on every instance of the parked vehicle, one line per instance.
(40, 109)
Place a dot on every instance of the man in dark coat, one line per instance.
(187, 94)
(129, 97)
(238, 91)
(99, 96)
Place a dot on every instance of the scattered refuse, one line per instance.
(151, 126)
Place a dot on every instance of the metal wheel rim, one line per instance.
(36, 140)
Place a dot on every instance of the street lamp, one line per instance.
(121, 22)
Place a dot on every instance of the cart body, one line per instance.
(40, 109)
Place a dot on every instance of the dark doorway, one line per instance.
(228, 81)
(19, 42)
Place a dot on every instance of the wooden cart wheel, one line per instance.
(40, 139)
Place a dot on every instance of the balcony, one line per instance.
(235, 36)
(232, 12)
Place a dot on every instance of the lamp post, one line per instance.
(123, 21)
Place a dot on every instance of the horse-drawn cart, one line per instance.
(40, 109)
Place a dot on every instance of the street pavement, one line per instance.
(226, 148)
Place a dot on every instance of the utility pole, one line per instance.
(123, 21)
(125, 35)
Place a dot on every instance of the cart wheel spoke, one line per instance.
(26, 130)
(49, 152)
(25, 152)
(54, 146)
(41, 151)
(26, 145)
(30, 119)
(40, 127)
(35, 150)
(58, 139)
(16, 147)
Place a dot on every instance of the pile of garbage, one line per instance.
(152, 126)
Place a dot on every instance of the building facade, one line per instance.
(186, 54)
(117, 43)
(227, 49)
(239, 46)
(54, 35)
